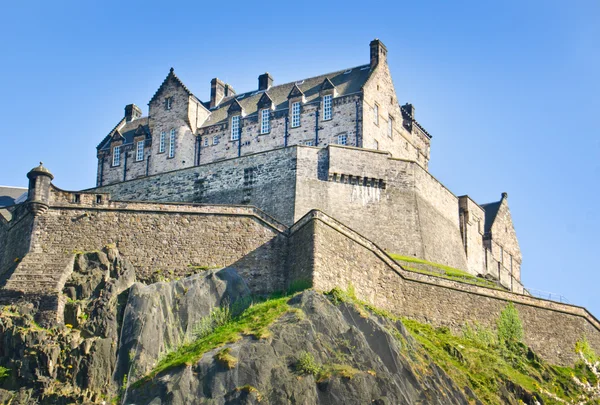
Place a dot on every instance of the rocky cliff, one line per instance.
(204, 339)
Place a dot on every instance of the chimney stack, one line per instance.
(378, 53)
(132, 112)
(265, 81)
(217, 92)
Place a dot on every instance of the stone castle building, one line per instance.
(317, 181)
(366, 163)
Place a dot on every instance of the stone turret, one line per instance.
(38, 196)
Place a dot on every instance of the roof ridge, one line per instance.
(291, 82)
(172, 73)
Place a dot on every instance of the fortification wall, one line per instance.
(15, 237)
(265, 180)
(342, 257)
(391, 201)
(173, 239)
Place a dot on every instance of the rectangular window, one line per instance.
(376, 145)
(342, 139)
(168, 102)
(116, 156)
(235, 128)
(390, 126)
(376, 114)
(265, 124)
(215, 140)
(140, 151)
(161, 144)
(309, 143)
(206, 141)
(295, 115)
(327, 107)
(172, 144)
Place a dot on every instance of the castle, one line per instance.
(318, 181)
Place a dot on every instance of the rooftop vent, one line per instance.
(348, 71)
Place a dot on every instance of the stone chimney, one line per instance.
(132, 112)
(265, 81)
(378, 53)
(217, 92)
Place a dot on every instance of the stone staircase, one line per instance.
(39, 278)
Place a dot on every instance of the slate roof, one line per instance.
(491, 211)
(347, 81)
(8, 195)
(128, 130)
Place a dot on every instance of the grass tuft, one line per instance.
(225, 358)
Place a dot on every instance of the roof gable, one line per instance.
(265, 101)
(327, 85)
(235, 107)
(295, 92)
(171, 76)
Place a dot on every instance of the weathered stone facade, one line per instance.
(174, 239)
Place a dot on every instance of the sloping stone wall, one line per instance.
(15, 237)
(343, 258)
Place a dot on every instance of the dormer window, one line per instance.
(172, 144)
(296, 114)
(327, 107)
(265, 121)
(139, 151)
(235, 127)
(168, 103)
(162, 141)
(116, 156)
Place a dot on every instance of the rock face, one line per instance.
(368, 358)
(117, 330)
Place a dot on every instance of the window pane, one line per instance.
(327, 107)
(140, 151)
(264, 123)
(116, 155)
(161, 146)
(172, 144)
(295, 115)
(235, 127)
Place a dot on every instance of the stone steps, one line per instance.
(37, 273)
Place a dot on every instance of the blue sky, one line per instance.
(509, 90)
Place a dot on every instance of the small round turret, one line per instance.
(39, 171)
(38, 195)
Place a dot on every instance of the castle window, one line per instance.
(309, 143)
(265, 123)
(342, 139)
(116, 156)
(140, 151)
(77, 198)
(295, 114)
(168, 103)
(98, 199)
(206, 141)
(390, 126)
(215, 140)
(376, 114)
(172, 144)
(376, 145)
(327, 107)
(161, 144)
(235, 128)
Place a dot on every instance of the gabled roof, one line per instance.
(347, 81)
(327, 85)
(128, 131)
(491, 212)
(173, 76)
(235, 107)
(295, 92)
(265, 101)
(407, 115)
(11, 195)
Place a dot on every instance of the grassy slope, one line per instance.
(441, 270)
(486, 369)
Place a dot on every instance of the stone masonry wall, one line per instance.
(265, 180)
(344, 258)
(343, 122)
(391, 201)
(167, 238)
(15, 237)
(472, 219)
(504, 245)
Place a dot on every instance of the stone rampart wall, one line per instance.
(343, 257)
(172, 239)
(264, 180)
(15, 237)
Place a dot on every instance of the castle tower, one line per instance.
(38, 196)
